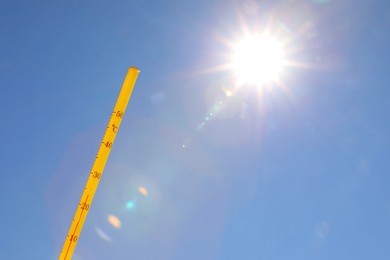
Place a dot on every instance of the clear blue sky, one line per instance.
(298, 172)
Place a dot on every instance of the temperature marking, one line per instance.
(98, 166)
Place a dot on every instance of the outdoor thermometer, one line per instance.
(98, 166)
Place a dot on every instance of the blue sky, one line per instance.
(298, 170)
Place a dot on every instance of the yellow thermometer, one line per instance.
(98, 166)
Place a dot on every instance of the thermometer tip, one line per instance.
(134, 68)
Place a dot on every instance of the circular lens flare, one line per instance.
(114, 221)
(258, 59)
(130, 204)
(143, 190)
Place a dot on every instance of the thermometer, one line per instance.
(98, 166)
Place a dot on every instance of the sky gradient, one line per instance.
(202, 168)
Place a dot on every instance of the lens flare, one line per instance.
(114, 221)
(143, 190)
(103, 235)
(130, 204)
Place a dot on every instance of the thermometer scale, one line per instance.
(98, 166)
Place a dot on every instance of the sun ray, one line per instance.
(257, 55)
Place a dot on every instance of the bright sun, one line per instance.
(258, 59)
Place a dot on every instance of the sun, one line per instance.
(258, 59)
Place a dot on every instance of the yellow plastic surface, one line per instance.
(98, 166)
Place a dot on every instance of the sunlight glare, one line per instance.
(258, 59)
